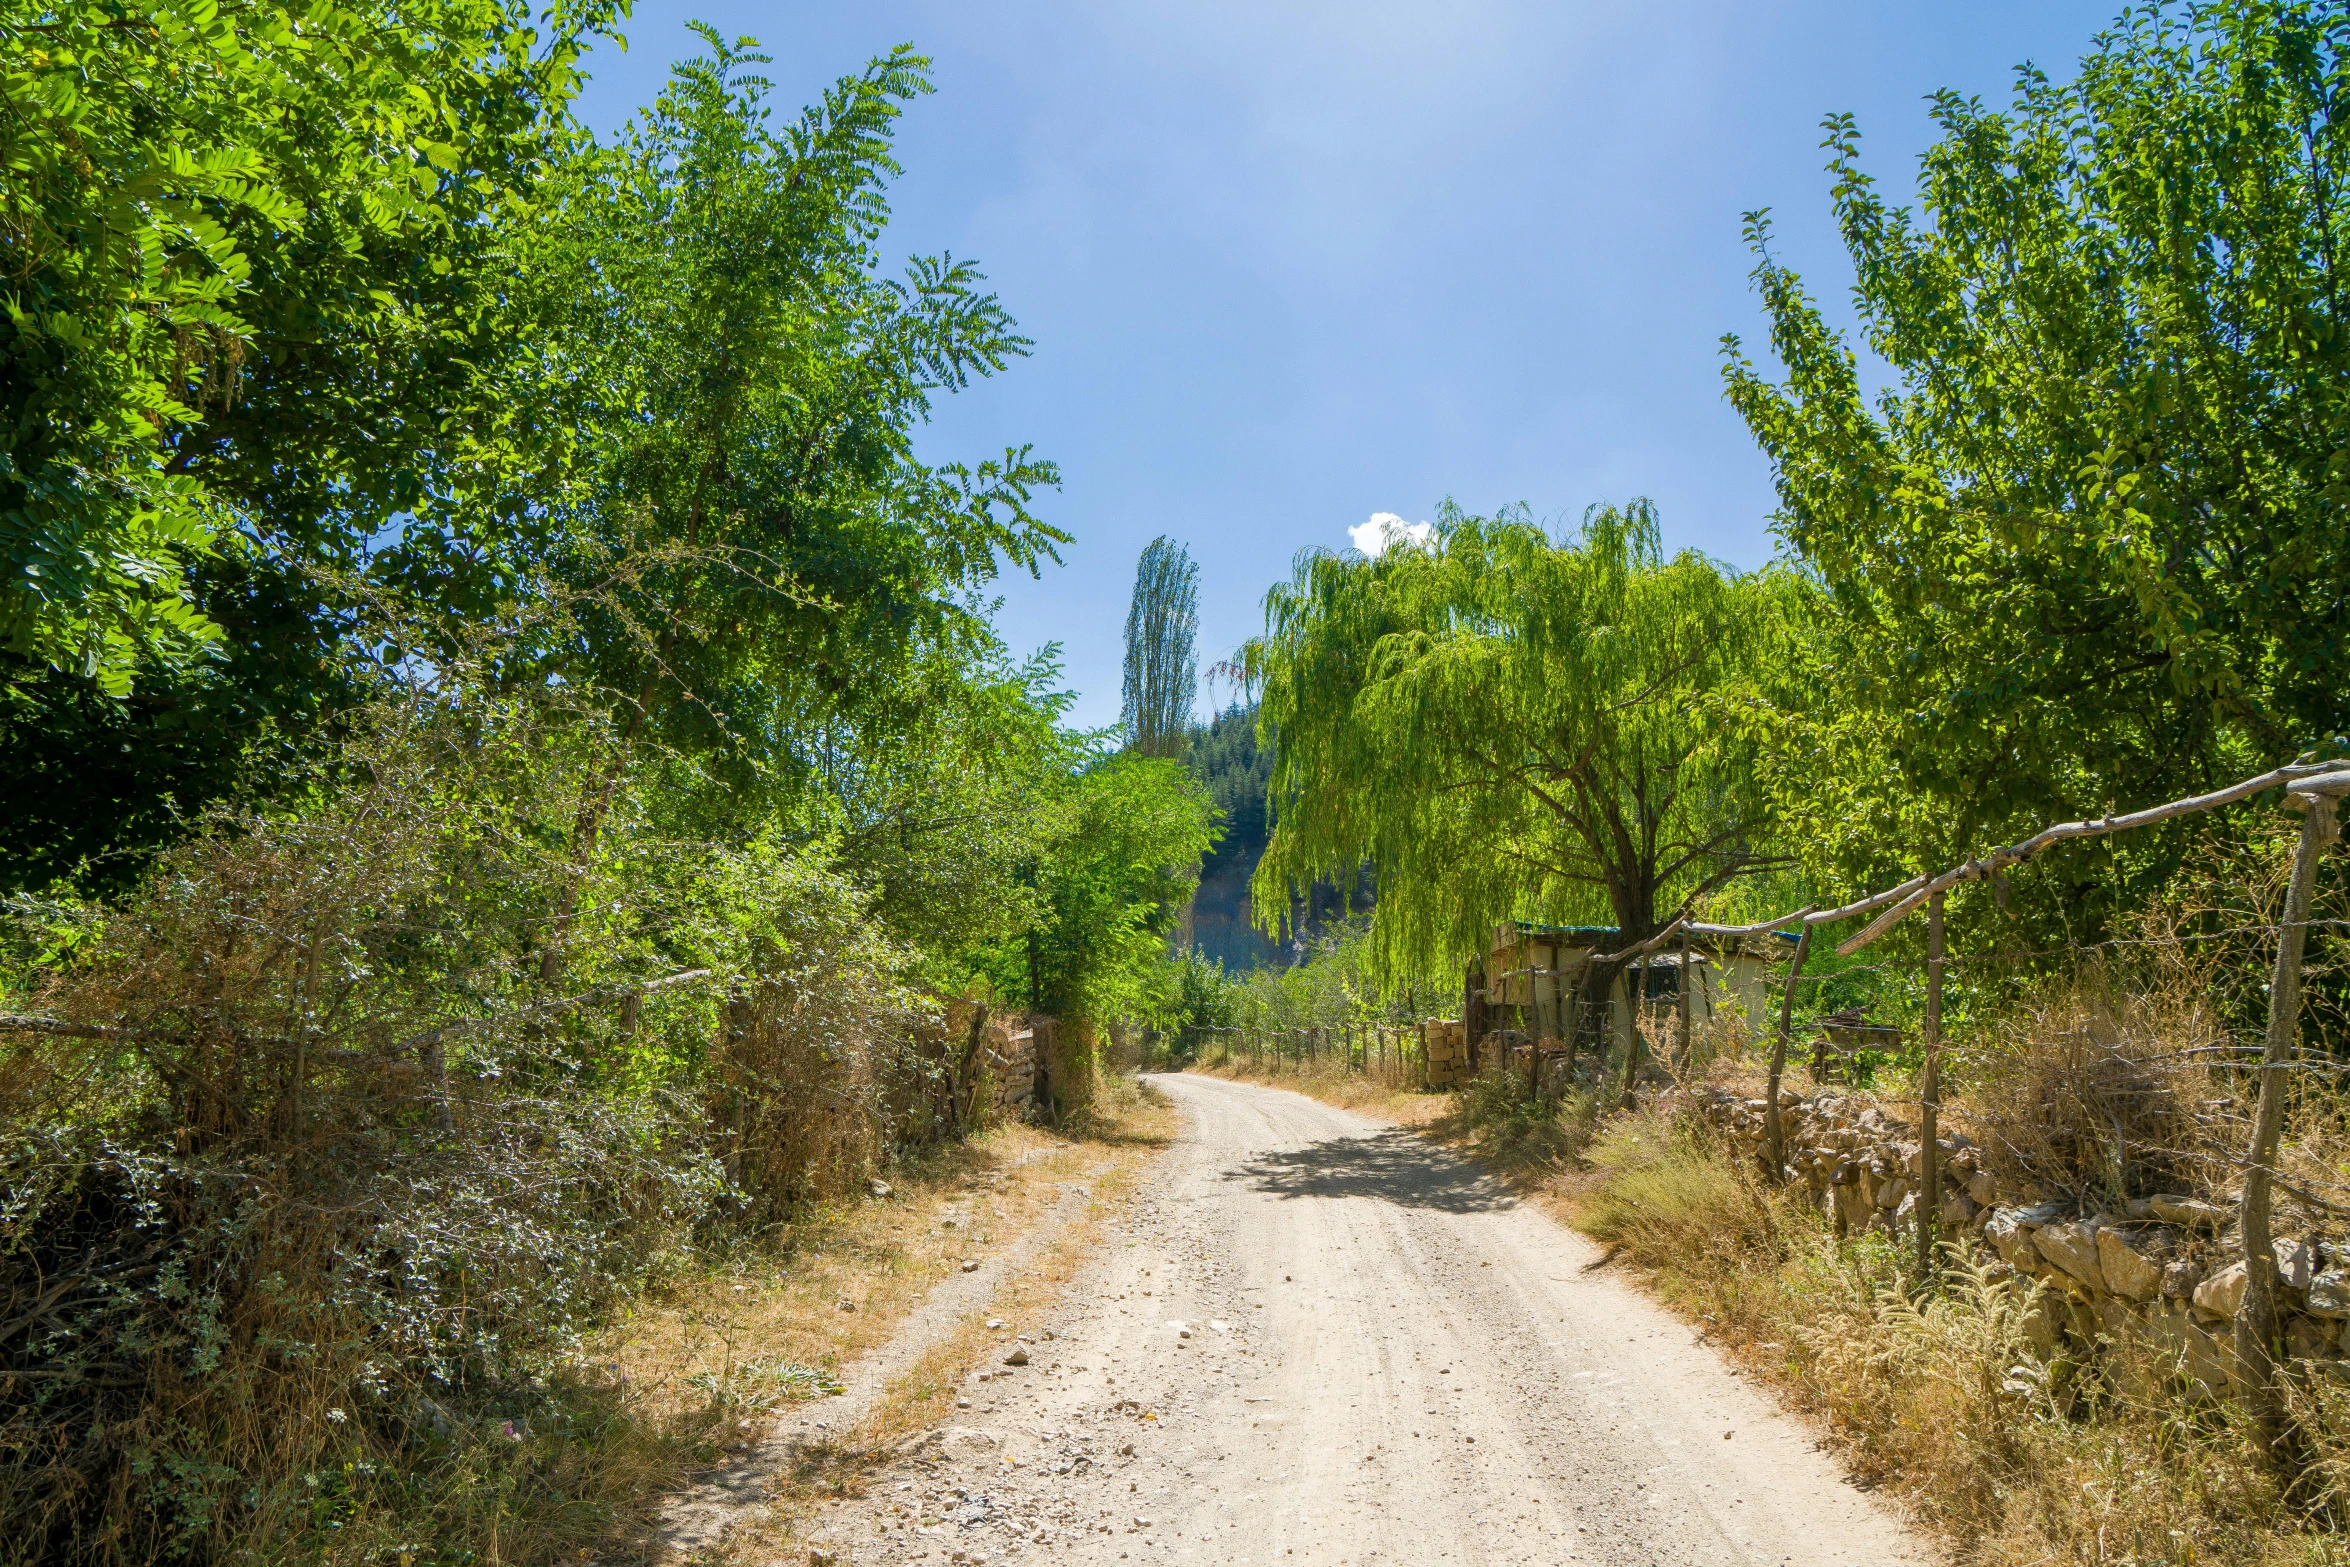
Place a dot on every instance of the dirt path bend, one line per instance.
(1321, 1340)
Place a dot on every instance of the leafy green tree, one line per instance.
(250, 307)
(1117, 858)
(2089, 548)
(1162, 673)
(936, 801)
(737, 390)
(212, 208)
(751, 556)
(1503, 727)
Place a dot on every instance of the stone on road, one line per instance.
(1318, 1340)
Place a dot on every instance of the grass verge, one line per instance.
(2103, 1457)
(719, 1356)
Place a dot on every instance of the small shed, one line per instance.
(1531, 975)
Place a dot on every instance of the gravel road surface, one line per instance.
(1319, 1340)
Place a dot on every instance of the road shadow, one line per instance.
(1392, 1166)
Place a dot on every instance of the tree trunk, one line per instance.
(1774, 1128)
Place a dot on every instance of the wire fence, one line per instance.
(1393, 1054)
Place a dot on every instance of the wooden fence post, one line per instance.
(1774, 1128)
(1929, 1198)
(2256, 1326)
(1681, 1045)
(1635, 983)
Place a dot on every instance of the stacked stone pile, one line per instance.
(2166, 1270)
(1010, 1054)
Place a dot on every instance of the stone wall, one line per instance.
(2166, 1269)
(1008, 1061)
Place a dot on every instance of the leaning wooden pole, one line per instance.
(1929, 1198)
(1774, 1127)
(2256, 1324)
(1681, 1044)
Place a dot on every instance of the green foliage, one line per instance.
(334, 1145)
(730, 391)
(256, 304)
(937, 797)
(475, 611)
(1333, 987)
(1502, 727)
(1236, 772)
(1162, 675)
(2087, 551)
(1118, 863)
(212, 212)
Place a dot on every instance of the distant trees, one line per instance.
(1224, 755)
(2091, 548)
(1162, 671)
(1503, 726)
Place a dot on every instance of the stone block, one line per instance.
(2222, 1293)
(2073, 1247)
(2010, 1239)
(2190, 1212)
(2329, 1294)
(1854, 1205)
(2311, 1338)
(2040, 1323)
(2126, 1273)
(2296, 1263)
(2206, 1359)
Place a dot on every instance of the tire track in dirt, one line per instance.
(1319, 1339)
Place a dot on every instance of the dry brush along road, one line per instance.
(1318, 1339)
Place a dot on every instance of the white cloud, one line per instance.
(1386, 529)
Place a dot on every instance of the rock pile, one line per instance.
(2164, 1270)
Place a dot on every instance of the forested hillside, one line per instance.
(1223, 754)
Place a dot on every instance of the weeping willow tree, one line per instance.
(1162, 674)
(1505, 727)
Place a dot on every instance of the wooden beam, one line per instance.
(2327, 779)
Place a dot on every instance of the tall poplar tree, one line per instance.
(1162, 669)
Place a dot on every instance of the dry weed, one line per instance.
(2107, 1458)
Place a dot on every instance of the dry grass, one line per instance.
(2102, 1457)
(883, 1256)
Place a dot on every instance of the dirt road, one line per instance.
(1322, 1341)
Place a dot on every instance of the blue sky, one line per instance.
(1288, 265)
